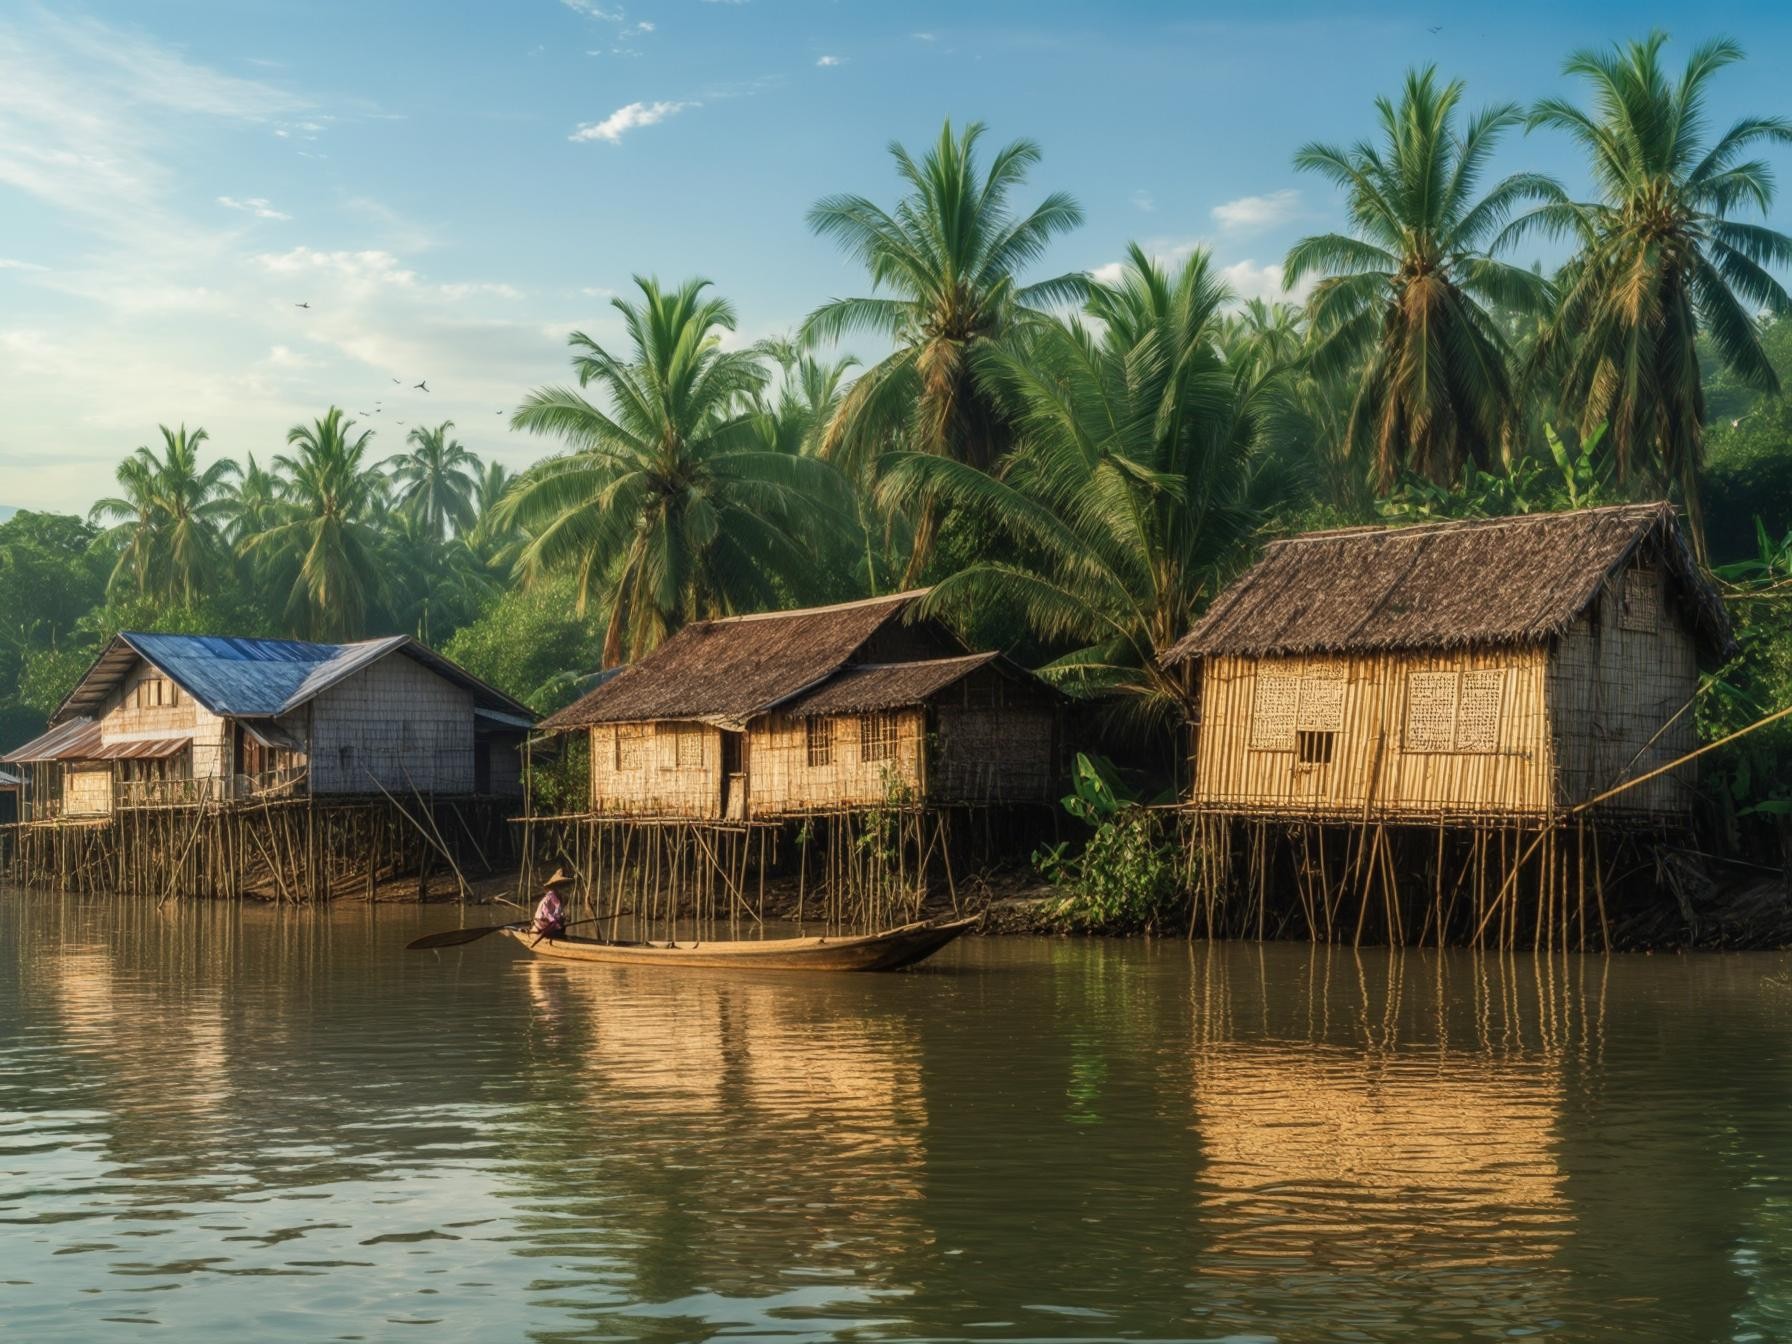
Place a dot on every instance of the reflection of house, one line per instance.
(185, 718)
(1490, 668)
(849, 706)
(1334, 1155)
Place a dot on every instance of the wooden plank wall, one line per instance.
(122, 720)
(1374, 772)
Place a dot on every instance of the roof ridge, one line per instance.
(1431, 528)
(906, 595)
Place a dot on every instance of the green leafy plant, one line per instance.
(1125, 878)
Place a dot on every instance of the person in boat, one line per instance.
(550, 913)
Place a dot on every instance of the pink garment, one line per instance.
(550, 915)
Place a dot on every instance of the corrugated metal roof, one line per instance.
(138, 749)
(8, 780)
(258, 678)
(66, 741)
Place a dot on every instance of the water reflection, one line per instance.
(268, 1124)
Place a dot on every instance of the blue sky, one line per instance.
(453, 187)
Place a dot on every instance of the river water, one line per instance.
(222, 1124)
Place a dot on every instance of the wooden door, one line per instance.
(734, 776)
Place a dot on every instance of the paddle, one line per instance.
(456, 937)
(460, 937)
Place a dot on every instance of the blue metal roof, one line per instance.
(248, 677)
(258, 678)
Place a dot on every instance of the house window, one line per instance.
(631, 747)
(1274, 703)
(155, 692)
(877, 737)
(1314, 748)
(665, 745)
(1430, 711)
(820, 739)
(690, 747)
(1478, 710)
(1283, 707)
(1640, 602)
(1455, 711)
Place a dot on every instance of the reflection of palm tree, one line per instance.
(170, 543)
(668, 502)
(323, 529)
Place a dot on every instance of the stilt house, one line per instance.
(1487, 669)
(183, 719)
(818, 710)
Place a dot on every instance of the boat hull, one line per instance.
(890, 950)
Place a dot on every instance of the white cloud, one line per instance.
(364, 269)
(1258, 212)
(1144, 200)
(591, 10)
(645, 26)
(925, 37)
(259, 206)
(627, 118)
(831, 60)
(14, 264)
(1246, 279)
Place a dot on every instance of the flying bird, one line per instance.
(395, 380)
(1435, 28)
(301, 305)
(424, 384)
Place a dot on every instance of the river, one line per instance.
(230, 1124)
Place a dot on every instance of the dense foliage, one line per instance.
(1076, 464)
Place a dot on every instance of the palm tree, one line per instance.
(794, 415)
(254, 502)
(1135, 485)
(948, 258)
(667, 504)
(437, 479)
(323, 531)
(170, 511)
(439, 583)
(491, 539)
(1405, 294)
(1660, 256)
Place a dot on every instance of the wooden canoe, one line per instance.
(889, 950)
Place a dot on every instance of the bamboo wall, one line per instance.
(781, 779)
(960, 749)
(657, 770)
(1619, 678)
(393, 725)
(1392, 755)
(996, 740)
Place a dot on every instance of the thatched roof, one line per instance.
(868, 687)
(729, 670)
(1495, 581)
